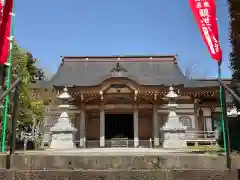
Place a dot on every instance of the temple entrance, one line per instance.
(119, 126)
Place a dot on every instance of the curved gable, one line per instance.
(144, 71)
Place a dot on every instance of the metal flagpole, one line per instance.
(224, 121)
(8, 82)
(222, 108)
(2, 69)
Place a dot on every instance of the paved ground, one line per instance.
(112, 152)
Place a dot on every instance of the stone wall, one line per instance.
(171, 161)
(119, 175)
(77, 167)
(3, 160)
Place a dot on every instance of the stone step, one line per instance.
(118, 175)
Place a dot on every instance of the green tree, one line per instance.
(234, 14)
(31, 109)
(234, 35)
(23, 64)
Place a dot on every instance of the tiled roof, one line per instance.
(144, 70)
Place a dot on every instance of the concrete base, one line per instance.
(76, 165)
(119, 159)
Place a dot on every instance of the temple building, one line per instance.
(124, 96)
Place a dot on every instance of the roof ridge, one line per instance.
(123, 56)
(119, 58)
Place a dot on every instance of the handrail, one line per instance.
(237, 98)
(13, 85)
(229, 90)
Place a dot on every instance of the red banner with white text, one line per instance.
(204, 12)
(5, 31)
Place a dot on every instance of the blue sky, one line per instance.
(50, 29)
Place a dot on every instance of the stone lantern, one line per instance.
(233, 112)
(63, 132)
(173, 130)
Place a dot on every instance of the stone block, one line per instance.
(202, 175)
(3, 174)
(3, 160)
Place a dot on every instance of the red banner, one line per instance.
(1, 10)
(5, 31)
(204, 12)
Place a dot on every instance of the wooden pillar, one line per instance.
(82, 128)
(102, 126)
(155, 126)
(196, 109)
(200, 120)
(135, 125)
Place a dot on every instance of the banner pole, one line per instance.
(8, 82)
(224, 122)
(1, 65)
(222, 108)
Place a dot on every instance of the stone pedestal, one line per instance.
(174, 133)
(63, 133)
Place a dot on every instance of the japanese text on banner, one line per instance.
(205, 15)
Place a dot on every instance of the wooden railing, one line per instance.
(201, 137)
(192, 138)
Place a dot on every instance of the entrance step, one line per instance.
(57, 160)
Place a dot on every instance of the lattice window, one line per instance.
(186, 121)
